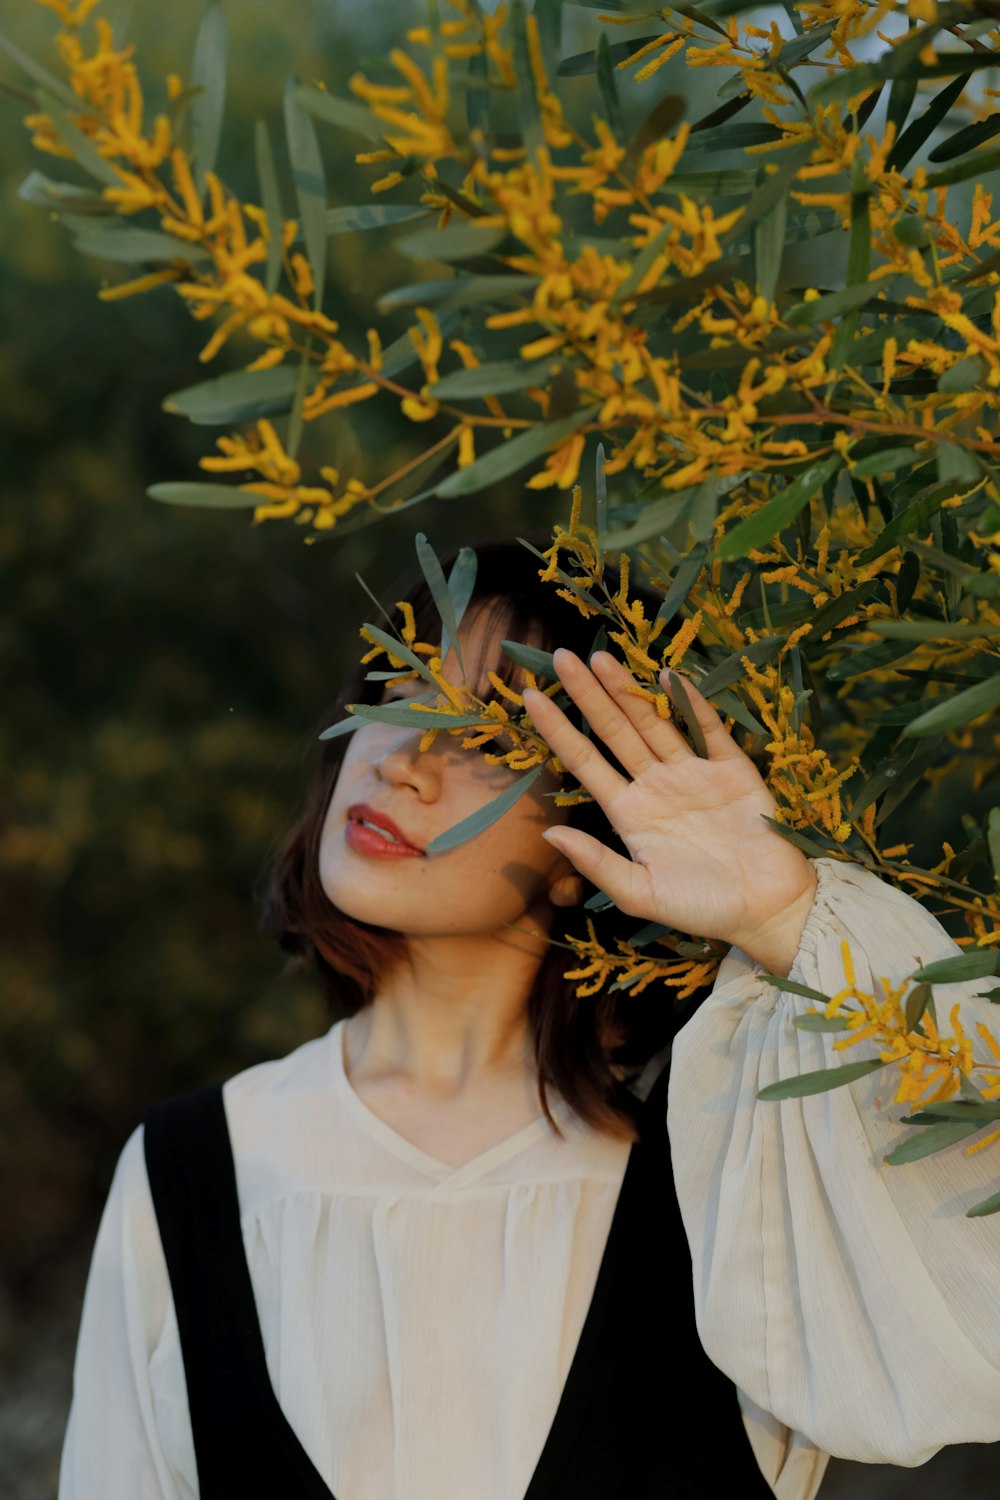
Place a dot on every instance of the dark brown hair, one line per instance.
(585, 1048)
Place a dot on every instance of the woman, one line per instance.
(449, 1260)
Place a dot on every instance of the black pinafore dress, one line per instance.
(644, 1414)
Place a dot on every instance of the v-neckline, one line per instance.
(561, 1432)
(443, 1172)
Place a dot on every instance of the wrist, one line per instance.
(774, 941)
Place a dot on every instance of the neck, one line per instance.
(452, 1019)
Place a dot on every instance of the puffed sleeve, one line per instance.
(111, 1450)
(853, 1303)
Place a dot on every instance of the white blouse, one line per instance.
(853, 1304)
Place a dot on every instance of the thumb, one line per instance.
(619, 878)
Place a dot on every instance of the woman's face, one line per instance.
(497, 876)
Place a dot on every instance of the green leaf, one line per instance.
(960, 968)
(641, 266)
(608, 85)
(993, 840)
(240, 396)
(528, 109)
(858, 261)
(667, 112)
(902, 60)
(270, 197)
(732, 668)
(403, 715)
(457, 291)
(980, 165)
(800, 841)
(84, 152)
(372, 216)
(600, 491)
(820, 1023)
(208, 76)
(343, 112)
(932, 630)
(726, 703)
(537, 661)
(680, 585)
(916, 1003)
(485, 816)
(801, 46)
(586, 62)
(886, 462)
(792, 987)
(477, 99)
(819, 1082)
(64, 197)
(434, 574)
(956, 464)
(726, 181)
(400, 649)
(310, 183)
(901, 95)
(768, 246)
(454, 242)
(869, 659)
(914, 518)
(655, 517)
(49, 81)
(885, 775)
(934, 1138)
(824, 309)
(964, 375)
(296, 417)
(677, 693)
(929, 118)
(955, 710)
(210, 496)
(778, 512)
(462, 581)
(772, 191)
(548, 16)
(508, 457)
(119, 13)
(737, 137)
(490, 380)
(134, 246)
(987, 1206)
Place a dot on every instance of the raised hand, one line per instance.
(702, 858)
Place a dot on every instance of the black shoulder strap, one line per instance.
(641, 1390)
(243, 1442)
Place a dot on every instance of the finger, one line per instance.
(626, 882)
(718, 741)
(661, 739)
(607, 708)
(578, 754)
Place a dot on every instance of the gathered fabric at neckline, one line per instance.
(415, 1156)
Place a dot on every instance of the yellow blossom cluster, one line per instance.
(931, 1064)
(262, 452)
(588, 311)
(635, 969)
(452, 698)
(590, 314)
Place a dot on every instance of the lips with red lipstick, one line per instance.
(364, 820)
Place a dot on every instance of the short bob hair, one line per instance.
(588, 1048)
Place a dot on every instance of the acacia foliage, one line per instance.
(805, 464)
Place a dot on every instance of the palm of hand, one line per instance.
(702, 858)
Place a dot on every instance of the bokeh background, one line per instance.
(163, 673)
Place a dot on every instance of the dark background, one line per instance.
(162, 668)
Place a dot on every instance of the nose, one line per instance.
(402, 762)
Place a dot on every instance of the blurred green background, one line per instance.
(165, 670)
